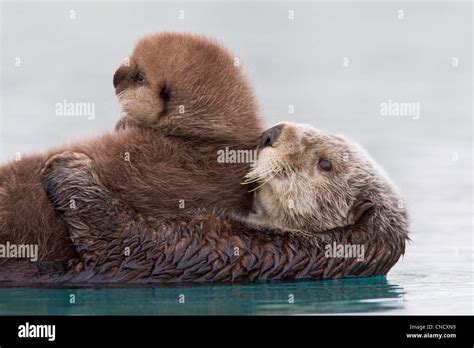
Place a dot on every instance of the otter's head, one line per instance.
(188, 86)
(313, 180)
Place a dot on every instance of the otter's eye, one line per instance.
(140, 78)
(325, 165)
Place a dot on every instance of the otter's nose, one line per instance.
(269, 137)
(120, 75)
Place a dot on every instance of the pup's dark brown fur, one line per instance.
(184, 100)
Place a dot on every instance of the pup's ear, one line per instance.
(361, 208)
(165, 96)
(165, 93)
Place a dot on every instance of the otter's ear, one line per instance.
(360, 208)
(165, 96)
(165, 93)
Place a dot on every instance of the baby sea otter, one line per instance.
(316, 189)
(184, 100)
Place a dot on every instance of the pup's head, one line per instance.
(312, 180)
(186, 85)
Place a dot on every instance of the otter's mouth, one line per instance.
(124, 101)
(262, 171)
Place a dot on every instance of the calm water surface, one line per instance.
(310, 297)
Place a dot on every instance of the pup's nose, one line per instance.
(119, 75)
(269, 137)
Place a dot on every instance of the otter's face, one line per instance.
(308, 178)
(141, 89)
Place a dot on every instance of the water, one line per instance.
(274, 298)
(297, 63)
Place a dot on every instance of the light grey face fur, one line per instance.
(294, 193)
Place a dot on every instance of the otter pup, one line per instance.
(184, 100)
(316, 190)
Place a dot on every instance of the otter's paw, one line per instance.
(66, 160)
(63, 169)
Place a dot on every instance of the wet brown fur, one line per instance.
(198, 247)
(203, 246)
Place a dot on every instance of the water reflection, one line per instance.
(269, 298)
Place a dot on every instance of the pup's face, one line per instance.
(309, 178)
(142, 81)
(183, 84)
(138, 90)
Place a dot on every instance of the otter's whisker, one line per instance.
(270, 178)
(256, 175)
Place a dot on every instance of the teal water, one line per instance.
(270, 298)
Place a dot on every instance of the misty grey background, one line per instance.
(297, 62)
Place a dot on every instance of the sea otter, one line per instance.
(184, 100)
(313, 181)
(316, 191)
